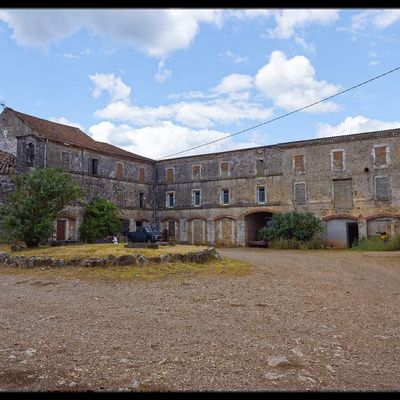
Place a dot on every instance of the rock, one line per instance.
(3, 257)
(111, 260)
(141, 261)
(12, 357)
(330, 368)
(126, 260)
(94, 262)
(30, 352)
(165, 258)
(273, 376)
(40, 261)
(297, 352)
(134, 385)
(277, 361)
(306, 379)
(73, 262)
(17, 247)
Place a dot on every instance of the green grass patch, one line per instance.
(375, 243)
(151, 272)
(99, 250)
(290, 244)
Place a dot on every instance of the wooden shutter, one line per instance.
(299, 163)
(300, 193)
(170, 175)
(119, 170)
(382, 188)
(338, 160)
(380, 155)
(141, 175)
(342, 193)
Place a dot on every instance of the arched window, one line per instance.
(30, 153)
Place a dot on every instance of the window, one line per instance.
(196, 197)
(95, 166)
(300, 193)
(224, 168)
(30, 153)
(260, 170)
(261, 194)
(119, 170)
(380, 155)
(141, 175)
(342, 193)
(196, 171)
(65, 157)
(337, 160)
(170, 175)
(298, 164)
(225, 196)
(382, 188)
(170, 199)
(141, 199)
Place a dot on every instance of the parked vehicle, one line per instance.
(144, 234)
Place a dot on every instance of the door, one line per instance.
(352, 233)
(171, 230)
(61, 225)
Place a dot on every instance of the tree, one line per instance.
(100, 219)
(293, 225)
(31, 210)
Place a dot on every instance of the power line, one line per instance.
(285, 115)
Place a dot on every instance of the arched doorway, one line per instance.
(254, 222)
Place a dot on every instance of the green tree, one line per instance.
(293, 225)
(100, 219)
(31, 210)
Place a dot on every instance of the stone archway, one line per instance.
(225, 231)
(254, 222)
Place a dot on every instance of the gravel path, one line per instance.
(317, 320)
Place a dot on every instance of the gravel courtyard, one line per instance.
(300, 320)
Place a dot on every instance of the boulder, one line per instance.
(141, 261)
(94, 262)
(127, 260)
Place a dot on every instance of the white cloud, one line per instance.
(308, 47)
(163, 73)
(235, 58)
(170, 139)
(112, 84)
(380, 19)
(291, 84)
(234, 83)
(288, 21)
(65, 121)
(156, 32)
(352, 125)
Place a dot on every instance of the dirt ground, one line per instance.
(316, 320)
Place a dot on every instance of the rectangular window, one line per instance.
(119, 170)
(337, 160)
(170, 175)
(300, 193)
(141, 199)
(65, 157)
(141, 175)
(225, 196)
(380, 158)
(382, 188)
(261, 194)
(260, 169)
(196, 171)
(196, 197)
(170, 199)
(224, 168)
(298, 163)
(342, 193)
(95, 166)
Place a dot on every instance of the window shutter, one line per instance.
(300, 193)
(382, 188)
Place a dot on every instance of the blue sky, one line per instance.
(156, 82)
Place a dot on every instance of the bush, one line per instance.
(289, 244)
(298, 226)
(375, 243)
(100, 219)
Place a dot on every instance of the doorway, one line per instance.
(254, 222)
(61, 228)
(352, 233)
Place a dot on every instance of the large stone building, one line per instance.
(352, 182)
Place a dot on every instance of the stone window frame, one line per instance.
(221, 199)
(92, 164)
(389, 189)
(387, 148)
(140, 175)
(305, 193)
(258, 159)
(173, 175)
(122, 170)
(257, 194)
(294, 164)
(196, 165)
(142, 199)
(167, 197)
(193, 197)
(228, 174)
(333, 169)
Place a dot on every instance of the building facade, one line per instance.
(351, 182)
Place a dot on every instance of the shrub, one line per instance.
(286, 244)
(375, 243)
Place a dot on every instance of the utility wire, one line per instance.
(285, 115)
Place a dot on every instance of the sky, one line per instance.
(159, 81)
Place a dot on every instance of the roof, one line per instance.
(61, 133)
(6, 162)
(303, 143)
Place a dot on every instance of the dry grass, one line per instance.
(100, 250)
(224, 267)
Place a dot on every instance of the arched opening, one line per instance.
(254, 222)
(225, 231)
(30, 153)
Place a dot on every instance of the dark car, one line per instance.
(144, 234)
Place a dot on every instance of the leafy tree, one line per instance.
(100, 219)
(293, 225)
(31, 210)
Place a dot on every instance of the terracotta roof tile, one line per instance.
(6, 162)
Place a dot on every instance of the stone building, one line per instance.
(351, 182)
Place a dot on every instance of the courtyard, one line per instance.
(295, 320)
